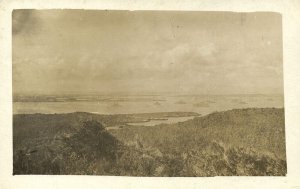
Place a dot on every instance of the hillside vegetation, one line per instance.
(236, 142)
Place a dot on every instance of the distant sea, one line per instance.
(202, 104)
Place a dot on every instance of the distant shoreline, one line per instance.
(182, 114)
(119, 98)
(163, 114)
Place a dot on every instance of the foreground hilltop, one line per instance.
(235, 142)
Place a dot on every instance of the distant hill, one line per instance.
(236, 142)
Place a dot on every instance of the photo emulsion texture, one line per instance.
(147, 93)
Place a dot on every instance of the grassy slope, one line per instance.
(236, 142)
(260, 129)
(27, 127)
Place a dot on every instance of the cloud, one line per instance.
(144, 51)
(207, 50)
(24, 21)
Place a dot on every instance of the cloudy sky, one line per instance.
(142, 52)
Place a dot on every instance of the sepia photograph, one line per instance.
(148, 93)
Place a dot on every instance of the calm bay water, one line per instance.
(127, 105)
(168, 120)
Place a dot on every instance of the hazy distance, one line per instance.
(145, 52)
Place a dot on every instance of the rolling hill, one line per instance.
(235, 142)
